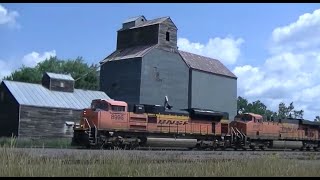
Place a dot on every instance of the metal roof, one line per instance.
(133, 19)
(60, 76)
(38, 95)
(128, 53)
(148, 23)
(312, 123)
(206, 64)
(194, 61)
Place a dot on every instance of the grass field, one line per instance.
(121, 163)
(35, 142)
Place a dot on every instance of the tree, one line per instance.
(317, 119)
(242, 105)
(298, 114)
(270, 115)
(284, 111)
(256, 107)
(85, 76)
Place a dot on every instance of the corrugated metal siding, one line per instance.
(60, 76)
(214, 92)
(121, 79)
(38, 95)
(206, 64)
(164, 74)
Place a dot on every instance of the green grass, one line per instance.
(35, 142)
(15, 162)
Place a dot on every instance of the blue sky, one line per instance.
(268, 46)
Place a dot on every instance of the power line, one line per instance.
(99, 65)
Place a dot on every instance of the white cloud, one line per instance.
(5, 69)
(227, 50)
(29, 60)
(292, 72)
(300, 35)
(32, 59)
(8, 17)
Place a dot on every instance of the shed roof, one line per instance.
(194, 61)
(147, 23)
(37, 95)
(128, 53)
(60, 76)
(206, 64)
(133, 19)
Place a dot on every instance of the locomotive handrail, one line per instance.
(86, 120)
(235, 131)
(241, 134)
(95, 129)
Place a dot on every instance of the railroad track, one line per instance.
(203, 150)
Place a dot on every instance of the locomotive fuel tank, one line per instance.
(287, 144)
(170, 142)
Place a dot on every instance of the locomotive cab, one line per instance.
(248, 123)
(102, 112)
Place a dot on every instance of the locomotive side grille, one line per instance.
(137, 119)
(140, 127)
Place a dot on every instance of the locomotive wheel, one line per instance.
(252, 147)
(262, 148)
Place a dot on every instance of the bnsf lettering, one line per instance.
(172, 122)
(117, 116)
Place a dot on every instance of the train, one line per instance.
(110, 124)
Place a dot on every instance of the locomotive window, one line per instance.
(117, 108)
(98, 105)
(246, 118)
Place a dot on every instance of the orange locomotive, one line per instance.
(110, 123)
(251, 131)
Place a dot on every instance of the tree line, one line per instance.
(257, 107)
(86, 75)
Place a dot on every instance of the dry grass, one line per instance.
(16, 162)
(35, 142)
